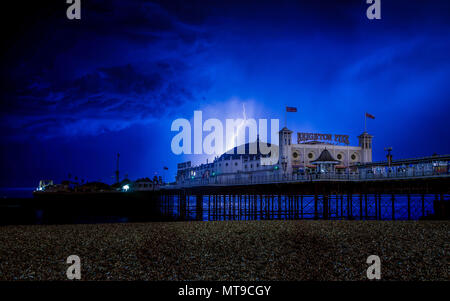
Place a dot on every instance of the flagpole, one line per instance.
(365, 122)
(285, 118)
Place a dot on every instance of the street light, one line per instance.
(388, 156)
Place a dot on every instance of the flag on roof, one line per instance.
(370, 116)
(291, 109)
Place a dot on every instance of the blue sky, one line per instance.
(75, 93)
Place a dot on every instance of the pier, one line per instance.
(400, 198)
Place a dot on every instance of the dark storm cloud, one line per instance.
(127, 62)
(105, 99)
(122, 64)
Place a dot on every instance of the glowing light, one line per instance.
(238, 129)
(126, 187)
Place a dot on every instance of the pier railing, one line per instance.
(285, 178)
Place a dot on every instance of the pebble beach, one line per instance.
(228, 250)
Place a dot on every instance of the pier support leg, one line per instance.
(325, 206)
(360, 207)
(209, 207)
(255, 207)
(183, 206)
(444, 208)
(365, 206)
(239, 206)
(230, 207)
(301, 206)
(380, 217)
(376, 206)
(409, 206)
(199, 207)
(436, 206)
(393, 206)
(260, 207)
(337, 206)
(349, 206)
(316, 213)
(423, 205)
(279, 206)
(272, 200)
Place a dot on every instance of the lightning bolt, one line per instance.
(244, 115)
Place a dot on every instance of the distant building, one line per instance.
(144, 184)
(93, 187)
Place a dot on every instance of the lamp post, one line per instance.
(389, 157)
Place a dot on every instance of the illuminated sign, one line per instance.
(301, 137)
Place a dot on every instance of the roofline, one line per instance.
(285, 129)
(409, 160)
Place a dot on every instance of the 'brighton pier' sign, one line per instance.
(301, 137)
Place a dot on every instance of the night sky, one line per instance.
(75, 93)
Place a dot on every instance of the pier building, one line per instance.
(311, 154)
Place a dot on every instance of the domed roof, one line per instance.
(233, 153)
(325, 156)
(285, 129)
